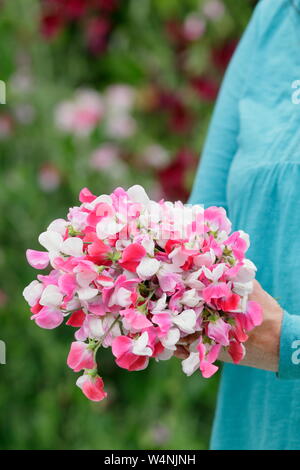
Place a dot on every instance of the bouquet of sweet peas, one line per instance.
(140, 277)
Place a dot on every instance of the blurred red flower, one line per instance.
(51, 24)
(205, 87)
(221, 54)
(173, 177)
(97, 31)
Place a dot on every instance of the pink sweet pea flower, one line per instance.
(76, 319)
(219, 331)
(207, 368)
(216, 291)
(92, 387)
(238, 243)
(134, 320)
(132, 256)
(37, 259)
(48, 317)
(132, 354)
(237, 351)
(32, 293)
(67, 285)
(252, 317)
(85, 195)
(216, 217)
(164, 321)
(80, 357)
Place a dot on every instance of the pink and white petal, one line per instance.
(33, 292)
(147, 268)
(191, 364)
(37, 259)
(87, 293)
(121, 345)
(48, 318)
(140, 345)
(170, 340)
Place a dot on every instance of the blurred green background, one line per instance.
(100, 93)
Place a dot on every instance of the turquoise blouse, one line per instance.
(251, 166)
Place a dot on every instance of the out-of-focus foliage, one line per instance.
(156, 66)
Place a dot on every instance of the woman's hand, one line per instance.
(262, 347)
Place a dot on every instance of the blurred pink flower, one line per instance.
(155, 156)
(6, 126)
(21, 81)
(119, 98)
(193, 27)
(213, 9)
(25, 113)
(49, 177)
(160, 434)
(80, 115)
(105, 157)
(121, 126)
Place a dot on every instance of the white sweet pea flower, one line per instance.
(155, 212)
(51, 296)
(160, 305)
(108, 227)
(120, 296)
(243, 288)
(58, 225)
(191, 363)
(190, 298)
(52, 241)
(192, 280)
(87, 293)
(95, 327)
(186, 321)
(103, 198)
(84, 278)
(165, 355)
(170, 340)
(140, 347)
(149, 245)
(147, 268)
(33, 292)
(178, 257)
(137, 194)
(74, 304)
(72, 246)
(246, 272)
(216, 273)
(122, 243)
